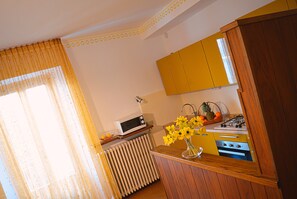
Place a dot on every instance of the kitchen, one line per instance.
(262, 158)
(110, 85)
(260, 104)
(137, 74)
(157, 106)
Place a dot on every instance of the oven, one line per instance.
(237, 150)
(232, 145)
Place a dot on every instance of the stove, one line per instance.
(236, 123)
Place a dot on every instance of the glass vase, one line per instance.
(192, 151)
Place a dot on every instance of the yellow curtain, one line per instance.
(41, 70)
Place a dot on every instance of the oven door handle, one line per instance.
(228, 136)
(231, 152)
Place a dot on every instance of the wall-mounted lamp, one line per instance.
(138, 99)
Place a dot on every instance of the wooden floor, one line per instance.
(153, 191)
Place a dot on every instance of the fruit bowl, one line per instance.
(107, 136)
(215, 120)
(210, 113)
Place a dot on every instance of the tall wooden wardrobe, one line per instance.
(264, 52)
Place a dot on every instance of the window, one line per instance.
(226, 60)
(42, 131)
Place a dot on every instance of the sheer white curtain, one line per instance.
(42, 142)
(47, 137)
(46, 134)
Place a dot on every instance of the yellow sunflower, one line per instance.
(188, 132)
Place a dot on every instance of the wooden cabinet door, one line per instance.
(275, 6)
(173, 74)
(207, 142)
(214, 60)
(195, 66)
(268, 94)
(292, 4)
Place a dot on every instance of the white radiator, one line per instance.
(132, 164)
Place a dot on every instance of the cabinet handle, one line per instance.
(203, 134)
(228, 136)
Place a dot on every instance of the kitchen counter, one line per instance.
(210, 128)
(211, 176)
(228, 166)
(118, 139)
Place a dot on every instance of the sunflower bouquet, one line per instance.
(183, 129)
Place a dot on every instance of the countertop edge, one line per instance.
(170, 153)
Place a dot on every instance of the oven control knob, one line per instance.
(238, 146)
(224, 144)
(231, 145)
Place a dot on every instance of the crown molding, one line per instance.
(169, 8)
(167, 14)
(93, 39)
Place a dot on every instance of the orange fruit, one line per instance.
(102, 137)
(218, 114)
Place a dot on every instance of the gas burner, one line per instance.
(236, 123)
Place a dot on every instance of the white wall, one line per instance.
(225, 97)
(208, 21)
(160, 108)
(112, 73)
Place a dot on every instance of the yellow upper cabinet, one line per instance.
(166, 76)
(275, 6)
(200, 66)
(195, 66)
(178, 73)
(292, 4)
(214, 60)
(173, 74)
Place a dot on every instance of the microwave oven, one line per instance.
(130, 123)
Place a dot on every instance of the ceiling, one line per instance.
(30, 21)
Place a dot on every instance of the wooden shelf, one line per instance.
(108, 140)
(126, 136)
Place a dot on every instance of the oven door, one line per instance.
(234, 153)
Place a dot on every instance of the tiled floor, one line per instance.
(153, 191)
